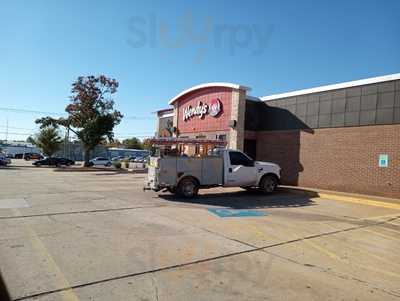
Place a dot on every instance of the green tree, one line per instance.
(30, 139)
(132, 143)
(147, 144)
(91, 114)
(114, 143)
(48, 140)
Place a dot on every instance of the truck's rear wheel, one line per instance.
(188, 188)
(268, 183)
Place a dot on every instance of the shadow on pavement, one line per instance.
(4, 295)
(246, 200)
(88, 169)
(12, 167)
(103, 170)
(110, 173)
(116, 172)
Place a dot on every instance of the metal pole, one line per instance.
(67, 141)
(7, 130)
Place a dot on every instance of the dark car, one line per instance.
(131, 158)
(33, 156)
(4, 161)
(54, 161)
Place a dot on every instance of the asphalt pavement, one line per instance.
(98, 236)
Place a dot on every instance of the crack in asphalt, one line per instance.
(366, 223)
(155, 287)
(172, 267)
(331, 272)
(79, 212)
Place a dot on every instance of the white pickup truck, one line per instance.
(228, 168)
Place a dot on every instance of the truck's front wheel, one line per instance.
(268, 183)
(188, 188)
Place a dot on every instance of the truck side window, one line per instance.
(238, 158)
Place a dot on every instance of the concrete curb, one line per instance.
(390, 203)
(97, 169)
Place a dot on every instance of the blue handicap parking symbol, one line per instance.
(223, 212)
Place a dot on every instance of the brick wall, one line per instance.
(238, 109)
(342, 159)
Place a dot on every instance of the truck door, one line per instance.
(239, 170)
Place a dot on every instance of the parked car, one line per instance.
(100, 161)
(139, 160)
(18, 156)
(142, 159)
(118, 158)
(4, 161)
(54, 161)
(131, 158)
(33, 156)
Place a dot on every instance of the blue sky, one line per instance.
(271, 46)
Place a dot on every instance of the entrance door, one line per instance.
(240, 170)
(250, 148)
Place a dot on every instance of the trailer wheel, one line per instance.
(188, 188)
(268, 183)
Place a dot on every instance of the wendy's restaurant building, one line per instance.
(343, 137)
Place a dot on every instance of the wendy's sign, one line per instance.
(202, 109)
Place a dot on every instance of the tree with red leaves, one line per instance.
(91, 114)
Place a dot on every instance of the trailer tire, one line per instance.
(188, 187)
(268, 183)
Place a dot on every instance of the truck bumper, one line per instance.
(151, 182)
(149, 185)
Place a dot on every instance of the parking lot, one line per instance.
(96, 235)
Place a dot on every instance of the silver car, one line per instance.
(100, 161)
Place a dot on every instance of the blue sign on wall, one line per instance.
(383, 160)
(224, 212)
